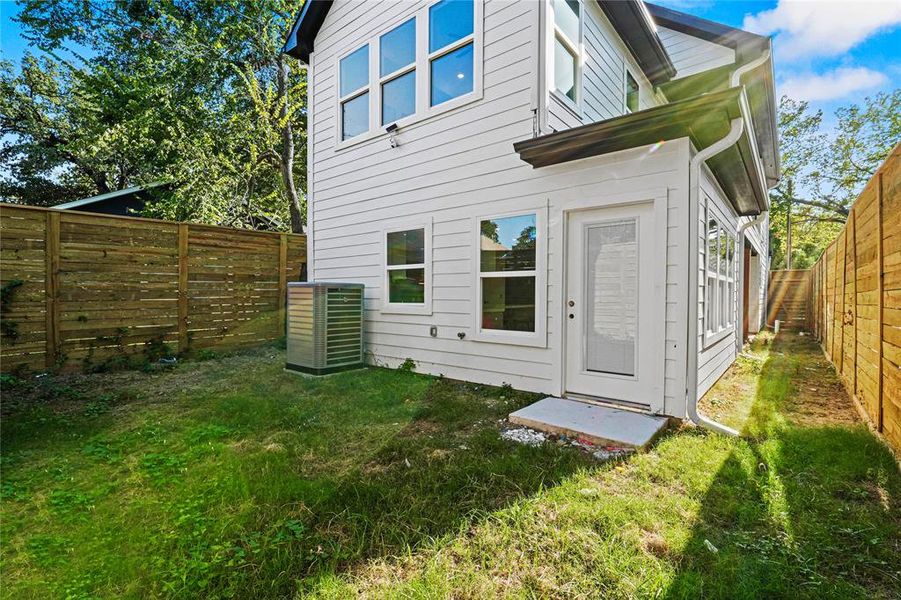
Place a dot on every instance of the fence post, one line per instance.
(834, 304)
(853, 218)
(880, 285)
(182, 287)
(282, 282)
(51, 287)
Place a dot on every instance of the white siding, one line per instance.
(603, 84)
(457, 166)
(691, 55)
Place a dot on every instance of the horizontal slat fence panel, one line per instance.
(787, 299)
(854, 300)
(82, 289)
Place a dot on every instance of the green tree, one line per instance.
(823, 174)
(192, 91)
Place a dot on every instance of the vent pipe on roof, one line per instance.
(694, 195)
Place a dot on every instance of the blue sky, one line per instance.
(12, 46)
(831, 53)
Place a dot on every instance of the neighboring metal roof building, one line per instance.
(703, 119)
(121, 202)
(629, 18)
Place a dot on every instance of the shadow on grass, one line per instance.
(796, 510)
(257, 492)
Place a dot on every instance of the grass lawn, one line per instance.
(232, 478)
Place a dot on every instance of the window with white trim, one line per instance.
(397, 72)
(567, 72)
(354, 92)
(424, 65)
(508, 262)
(719, 288)
(407, 269)
(451, 45)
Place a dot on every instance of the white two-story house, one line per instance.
(569, 196)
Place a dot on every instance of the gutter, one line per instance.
(736, 130)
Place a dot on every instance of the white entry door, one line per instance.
(614, 313)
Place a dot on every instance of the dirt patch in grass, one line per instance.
(817, 396)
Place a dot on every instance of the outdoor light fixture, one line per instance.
(392, 139)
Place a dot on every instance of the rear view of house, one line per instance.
(569, 196)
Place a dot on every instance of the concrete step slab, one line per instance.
(601, 425)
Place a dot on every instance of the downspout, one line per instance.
(735, 81)
(737, 74)
(694, 177)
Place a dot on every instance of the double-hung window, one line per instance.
(567, 43)
(713, 239)
(451, 49)
(510, 278)
(719, 288)
(397, 72)
(354, 92)
(407, 283)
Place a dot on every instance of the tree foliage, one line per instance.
(823, 172)
(127, 92)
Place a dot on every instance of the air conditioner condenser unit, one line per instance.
(325, 327)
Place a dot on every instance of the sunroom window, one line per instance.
(507, 273)
(354, 92)
(712, 268)
(719, 288)
(451, 50)
(567, 27)
(397, 72)
(406, 266)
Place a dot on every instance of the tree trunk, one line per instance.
(287, 156)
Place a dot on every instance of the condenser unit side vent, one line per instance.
(325, 327)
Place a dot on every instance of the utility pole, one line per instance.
(788, 225)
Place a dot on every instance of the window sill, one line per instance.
(510, 338)
(564, 101)
(410, 121)
(713, 338)
(406, 309)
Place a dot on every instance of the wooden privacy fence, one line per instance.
(854, 300)
(787, 299)
(82, 289)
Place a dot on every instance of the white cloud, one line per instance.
(833, 85)
(823, 28)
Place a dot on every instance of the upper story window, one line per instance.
(397, 72)
(426, 64)
(354, 92)
(632, 93)
(567, 43)
(451, 35)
